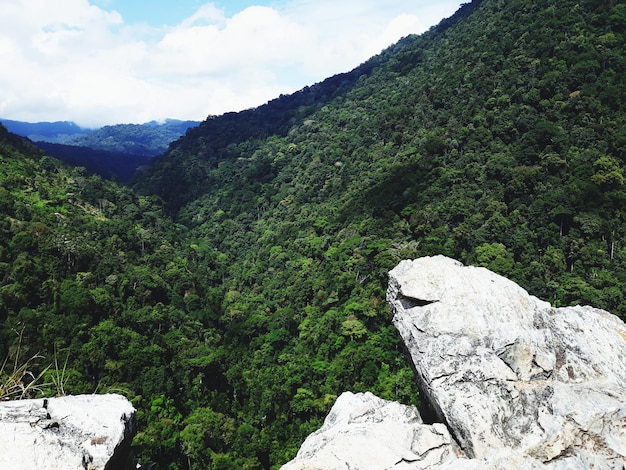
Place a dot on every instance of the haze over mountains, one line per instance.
(237, 287)
(57, 132)
(113, 152)
(152, 138)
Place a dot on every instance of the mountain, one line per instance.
(117, 166)
(57, 132)
(506, 152)
(149, 139)
(112, 152)
(236, 313)
(496, 138)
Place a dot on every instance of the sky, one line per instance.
(100, 62)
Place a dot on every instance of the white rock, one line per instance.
(507, 371)
(83, 432)
(363, 431)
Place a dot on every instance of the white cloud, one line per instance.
(73, 60)
(207, 14)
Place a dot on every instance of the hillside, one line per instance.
(99, 291)
(235, 315)
(116, 166)
(148, 140)
(506, 152)
(496, 138)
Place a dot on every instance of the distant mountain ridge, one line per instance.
(148, 139)
(59, 132)
(112, 152)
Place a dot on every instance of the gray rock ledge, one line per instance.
(364, 431)
(82, 432)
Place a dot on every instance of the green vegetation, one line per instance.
(116, 166)
(146, 140)
(235, 318)
(17, 381)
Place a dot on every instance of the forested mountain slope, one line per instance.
(98, 291)
(498, 138)
(148, 140)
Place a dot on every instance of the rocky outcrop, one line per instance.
(517, 383)
(364, 431)
(505, 370)
(83, 432)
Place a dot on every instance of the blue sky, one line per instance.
(170, 12)
(99, 62)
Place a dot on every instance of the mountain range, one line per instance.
(237, 286)
(148, 139)
(114, 152)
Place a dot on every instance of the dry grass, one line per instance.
(17, 381)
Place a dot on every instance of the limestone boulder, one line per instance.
(508, 373)
(363, 431)
(82, 432)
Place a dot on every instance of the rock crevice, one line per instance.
(515, 382)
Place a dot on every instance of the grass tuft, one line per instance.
(17, 381)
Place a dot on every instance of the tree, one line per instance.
(206, 437)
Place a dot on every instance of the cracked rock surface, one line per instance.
(82, 432)
(363, 431)
(509, 374)
(506, 382)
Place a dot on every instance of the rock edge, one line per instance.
(83, 432)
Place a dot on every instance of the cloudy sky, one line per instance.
(99, 62)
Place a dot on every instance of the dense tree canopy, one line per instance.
(147, 140)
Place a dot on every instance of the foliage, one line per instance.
(17, 381)
(116, 166)
(147, 140)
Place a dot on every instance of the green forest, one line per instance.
(237, 286)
